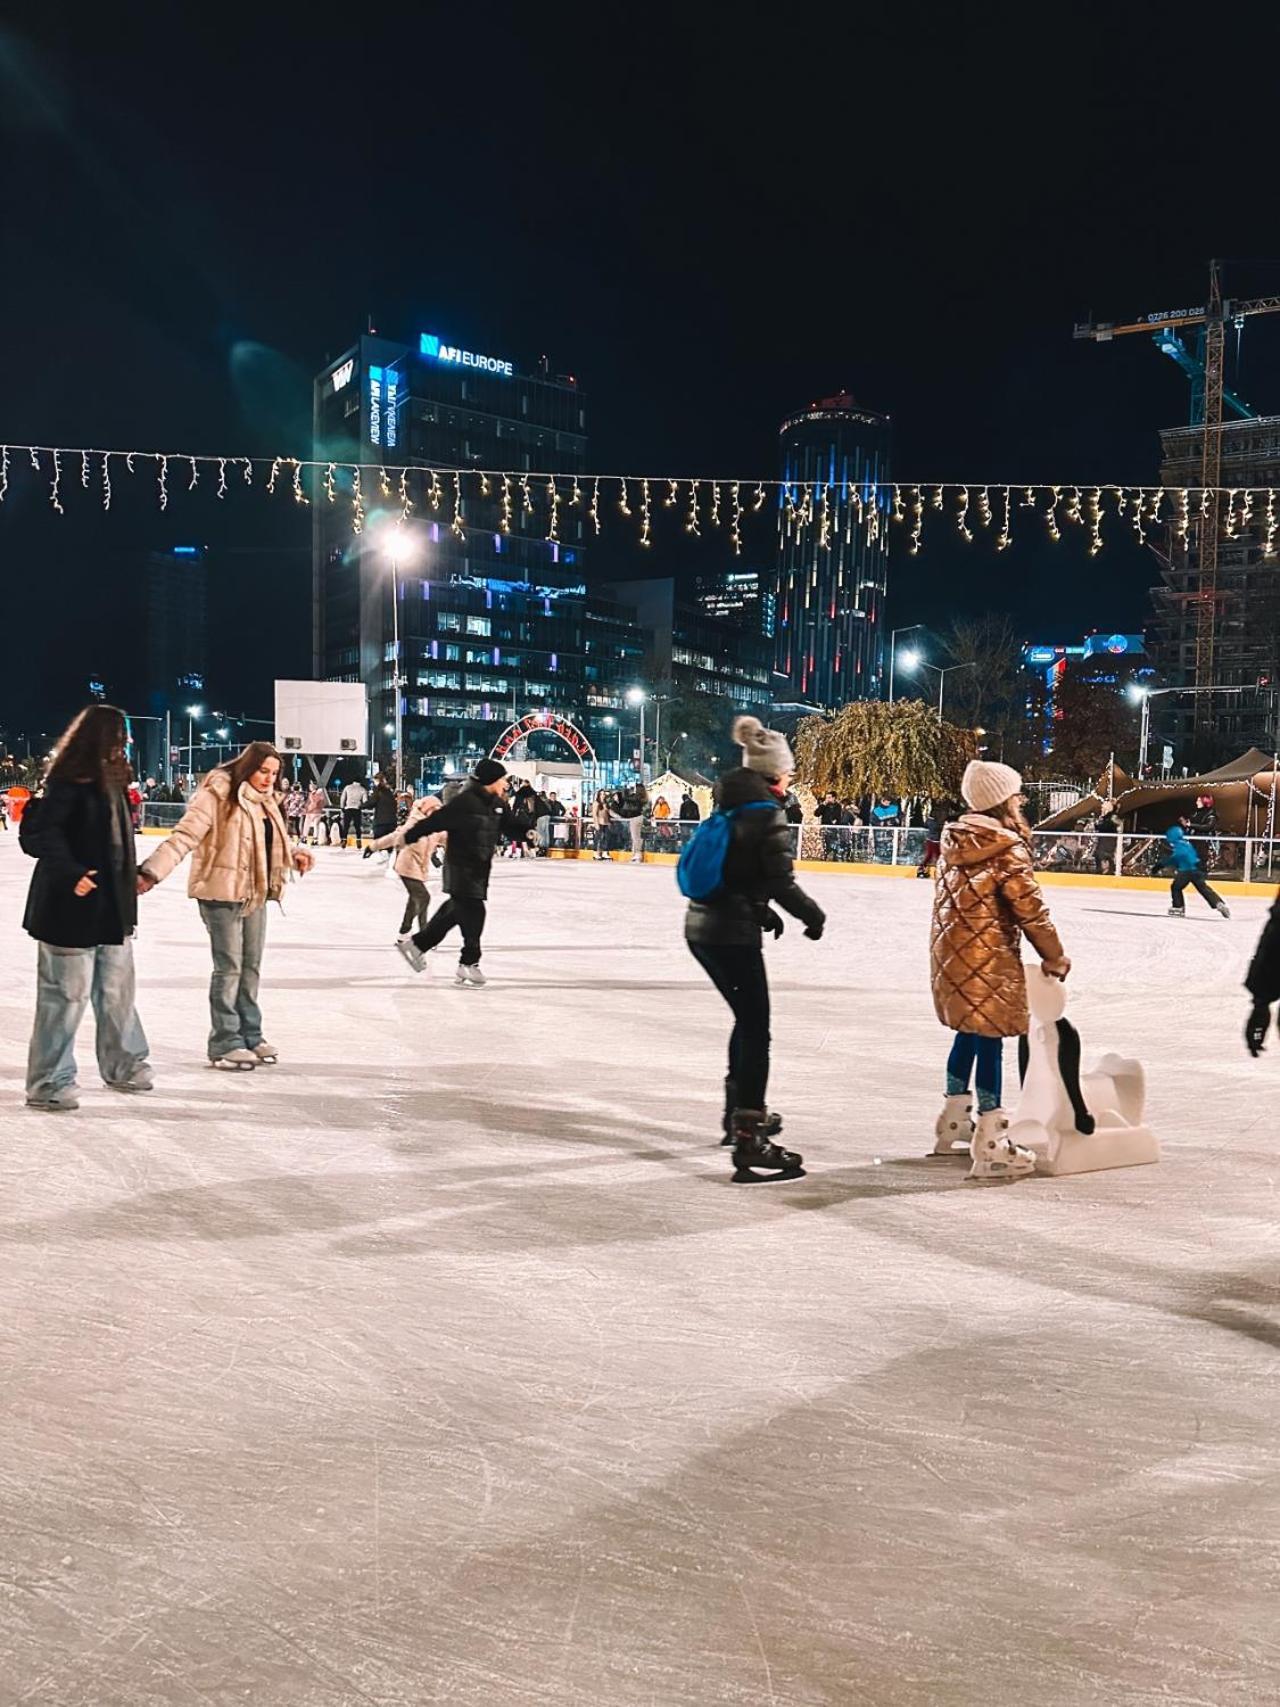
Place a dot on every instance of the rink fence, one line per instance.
(1240, 864)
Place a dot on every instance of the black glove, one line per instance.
(814, 929)
(1256, 1027)
(771, 921)
(367, 853)
(436, 859)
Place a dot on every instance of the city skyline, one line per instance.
(666, 261)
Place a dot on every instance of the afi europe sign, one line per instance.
(451, 356)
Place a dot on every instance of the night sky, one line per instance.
(710, 222)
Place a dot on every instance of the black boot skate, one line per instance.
(752, 1150)
(769, 1128)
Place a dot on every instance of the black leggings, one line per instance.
(350, 821)
(739, 975)
(417, 906)
(1197, 881)
(468, 915)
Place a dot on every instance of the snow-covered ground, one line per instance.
(442, 1362)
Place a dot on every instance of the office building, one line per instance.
(698, 654)
(1246, 637)
(833, 552)
(1101, 660)
(745, 599)
(153, 625)
(493, 613)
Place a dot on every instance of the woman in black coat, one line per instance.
(1263, 981)
(725, 936)
(82, 910)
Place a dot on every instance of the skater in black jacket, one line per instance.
(1263, 982)
(472, 822)
(725, 935)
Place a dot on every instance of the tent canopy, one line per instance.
(1130, 798)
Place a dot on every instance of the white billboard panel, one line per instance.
(322, 718)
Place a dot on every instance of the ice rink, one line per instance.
(442, 1362)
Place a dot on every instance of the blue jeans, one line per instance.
(67, 980)
(237, 940)
(988, 1054)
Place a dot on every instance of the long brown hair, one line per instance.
(1010, 814)
(92, 749)
(241, 768)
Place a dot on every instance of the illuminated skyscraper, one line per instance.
(833, 551)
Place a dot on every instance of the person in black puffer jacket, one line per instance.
(472, 823)
(725, 936)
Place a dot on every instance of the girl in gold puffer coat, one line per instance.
(985, 901)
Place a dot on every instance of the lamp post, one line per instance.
(916, 662)
(1146, 695)
(401, 548)
(893, 649)
(612, 723)
(193, 711)
(638, 697)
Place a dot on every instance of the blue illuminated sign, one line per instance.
(393, 397)
(436, 350)
(186, 551)
(375, 405)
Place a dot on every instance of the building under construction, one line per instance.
(1245, 638)
(1217, 615)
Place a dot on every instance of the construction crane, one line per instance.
(1209, 394)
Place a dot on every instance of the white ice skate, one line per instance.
(468, 975)
(996, 1160)
(1072, 1122)
(953, 1132)
(267, 1053)
(236, 1061)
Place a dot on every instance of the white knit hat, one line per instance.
(985, 785)
(763, 750)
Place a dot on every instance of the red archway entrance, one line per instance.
(545, 722)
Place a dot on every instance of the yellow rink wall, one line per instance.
(1050, 879)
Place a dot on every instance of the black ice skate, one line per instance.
(770, 1126)
(752, 1151)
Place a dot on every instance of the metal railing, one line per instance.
(1243, 859)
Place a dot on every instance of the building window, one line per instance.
(479, 625)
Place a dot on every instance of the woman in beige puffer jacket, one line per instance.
(241, 858)
(413, 863)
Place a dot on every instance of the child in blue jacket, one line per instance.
(1185, 860)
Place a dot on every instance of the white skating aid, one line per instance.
(1101, 1126)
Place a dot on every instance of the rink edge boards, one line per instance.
(852, 868)
(1059, 879)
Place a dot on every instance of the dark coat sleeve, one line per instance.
(451, 816)
(778, 872)
(54, 851)
(1263, 980)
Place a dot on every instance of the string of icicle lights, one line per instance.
(831, 512)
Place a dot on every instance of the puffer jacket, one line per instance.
(757, 870)
(228, 848)
(1182, 855)
(473, 821)
(414, 858)
(985, 899)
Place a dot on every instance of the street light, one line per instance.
(612, 723)
(943, 671)
(909, 658)
(400, 548)
(1137, 691)
(193, 711)
(638, 697)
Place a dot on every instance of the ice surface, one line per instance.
(442, 1363)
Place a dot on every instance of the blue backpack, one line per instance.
(700, 868)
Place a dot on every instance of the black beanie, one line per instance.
(487, 771)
